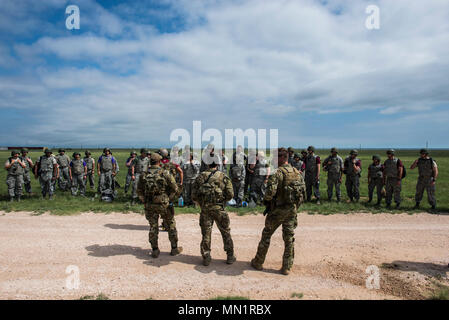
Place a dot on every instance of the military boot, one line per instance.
(398, 205)
(206, 260)
(155, 252)
(255, 265)
(18, 199)
(176, 251)
(231, 259)
(285, 271)
(11, 199)
(416, 206)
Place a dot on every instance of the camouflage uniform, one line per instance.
(129, 175)
(352, 178)
(106, 169)
(425, 179)
(312, 183)
(237, 173)
(90, 171)
(334, 167)
(375, 173)
(393, 183)
(26, 174)
(284, 213)
(298, 165)
(140, 166)
(258, 185)
(191, 171)
(157, 205)
(46, 167)
(14, 179)
(78, 182)
(64, 178)
(212, 209)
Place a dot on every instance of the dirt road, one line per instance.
(111, 253)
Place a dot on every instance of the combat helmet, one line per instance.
(143, 150)
(391, 151)
(14, 151)
(106, 149)
(334, 150)
(311, 148)
(87, 152)
(24, 150)
(376, 157)
(354, 152)
(423, 151)
(133, 152)
(76, 153)
(61, 150)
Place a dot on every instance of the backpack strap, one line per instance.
(210, 176)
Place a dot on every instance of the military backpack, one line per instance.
(293, 188)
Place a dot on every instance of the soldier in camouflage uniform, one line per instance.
(312, 176)
(78, 172)
(90, 165)
(47, 170)
(237, 173)
(393, 170)
(285, 192)
(63, 164)
(291, 155)
(107, 169)
(334, 167)
(28, 167)
(428, 174)
(191, 170)
(260, 178)
(353, 169)
(129, 165)
(14, 180)
(139, 166)
(298, 164)
(211, 190)
(375, 179)
(157, 188)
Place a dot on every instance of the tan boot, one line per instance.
(255, 265)
(176, 251)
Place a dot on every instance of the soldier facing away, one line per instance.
(375, 179)
(157, 189)
(90, 165)
(63, 160)
(428, 174)
(211, 190)
(334, 167)
(285, 193)
(14, 180)
(393, 171)
(78, 172)
(353, 169)
(46, 169)
(28, 167)
(312, 177)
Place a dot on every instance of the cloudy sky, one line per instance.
(136, 70)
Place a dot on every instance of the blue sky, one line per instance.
(136, 70)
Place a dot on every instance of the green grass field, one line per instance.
(65, 204)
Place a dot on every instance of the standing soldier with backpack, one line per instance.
(393, 175)
(28, 167)
(78, 172)
(375, 179)
(211, 190)
(353, 169)
(285, 193)
(47, 170)
(313, 168)
(157, 189)
(14, 180)
(63, 164)
(90, 165)
(334, 167)
(428, 174)
(138, 167)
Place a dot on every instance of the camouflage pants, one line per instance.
(333, 180)
(258, 188)
(152, 213)
(393, 190)
(288, 219)
(128, 182)
(424, 183)
(106, 181)
(187, 192)
(27, 182)
(239, 190)
(64, 179)
(14, 184)
(353, 187)
(312, 185)
(78, 183)
(375, 184)
(90, 178)
(221, 218)
(47, 184)
(135, 182)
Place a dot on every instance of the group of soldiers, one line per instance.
(385, 179)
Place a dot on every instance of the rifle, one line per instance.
(269, 206)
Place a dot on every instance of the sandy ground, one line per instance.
(111, 251)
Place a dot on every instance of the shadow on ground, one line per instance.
(427, 269)
(218, 266)
(128, 226)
